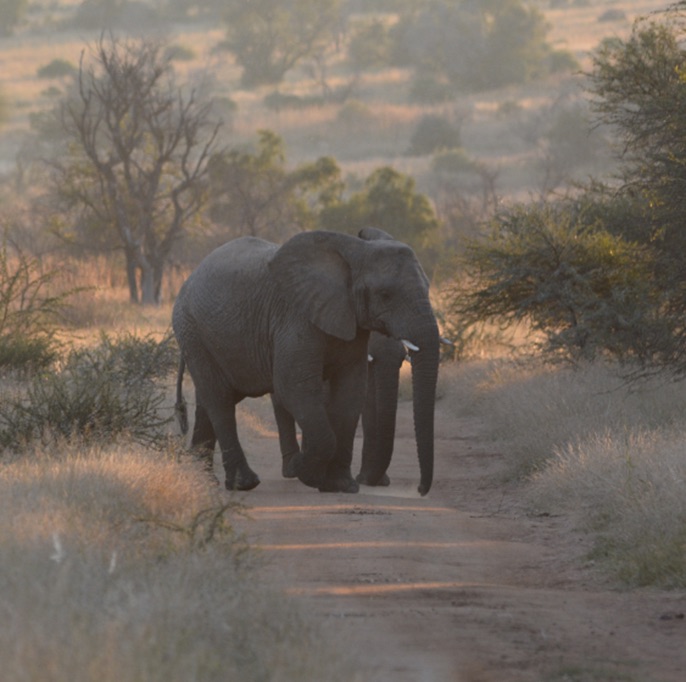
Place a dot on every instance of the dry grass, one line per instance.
(593, 446)
(104, 576)
(627, 485)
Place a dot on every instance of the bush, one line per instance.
(57, 68)
(586, 291)
(433, 133)
(430, 89)
(612, 15)
(27, 353)
(369, 47)
(453, 162)
(28, 310)
(98, 393)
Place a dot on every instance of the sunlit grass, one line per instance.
(108, 571)
(608, 452)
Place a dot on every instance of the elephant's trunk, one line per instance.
(424, 378)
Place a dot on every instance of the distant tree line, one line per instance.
(452, 46)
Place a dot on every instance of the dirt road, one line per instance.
(462, 585)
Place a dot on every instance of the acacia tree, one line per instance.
(252, 192)
(137, 157)
(269, 37)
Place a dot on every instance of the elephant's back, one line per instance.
(224, 309)
(244, 257)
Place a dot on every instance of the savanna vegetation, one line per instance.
(533, 163)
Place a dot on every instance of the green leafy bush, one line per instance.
(57, 68)
(28, 310)
(98, 393)
(587, 291)
(434, 133)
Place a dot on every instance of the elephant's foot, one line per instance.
(290, 464)
(244, 479)
(367, 479)
(341, 484)
(310, 471)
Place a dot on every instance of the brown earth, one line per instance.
(462, 585)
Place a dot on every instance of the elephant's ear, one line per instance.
(313, 274)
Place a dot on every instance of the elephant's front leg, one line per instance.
(347, 391)
(288, 439)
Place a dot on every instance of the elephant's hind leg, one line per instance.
(217, 419)
(239, 475)
(204, 439)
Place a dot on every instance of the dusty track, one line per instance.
(461, 585)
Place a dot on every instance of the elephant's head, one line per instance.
(343, 283)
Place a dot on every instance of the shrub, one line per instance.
(57, 68)
(612, 15)
(98, 393)
(369, 47)
(453, 162)
(587, 291)
(28, 310)
(355, 116)
(426, 88)
(434, 133)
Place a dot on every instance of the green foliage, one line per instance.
(270, 37)
(369, 46)
(434, 133)
(639, 88)
(390, 202)
(453, 162)
(98, 393)
(472, 46)
(27, 353)
(11, 13)
(355, 116)
(57, 68)
(253, 193)
(28, 310)
(586, 291)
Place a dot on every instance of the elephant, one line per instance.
(294, 321)
(385, 356)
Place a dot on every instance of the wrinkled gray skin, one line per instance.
(385, 357)
(256, 318)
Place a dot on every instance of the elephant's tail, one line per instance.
(181, 409)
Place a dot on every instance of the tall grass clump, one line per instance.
(535, 409)
(117, 564)
(97, 393)
(628, 487)
(594, 445)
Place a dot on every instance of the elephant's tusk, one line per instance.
(370, 358)
(447, 342)
(409, 345)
